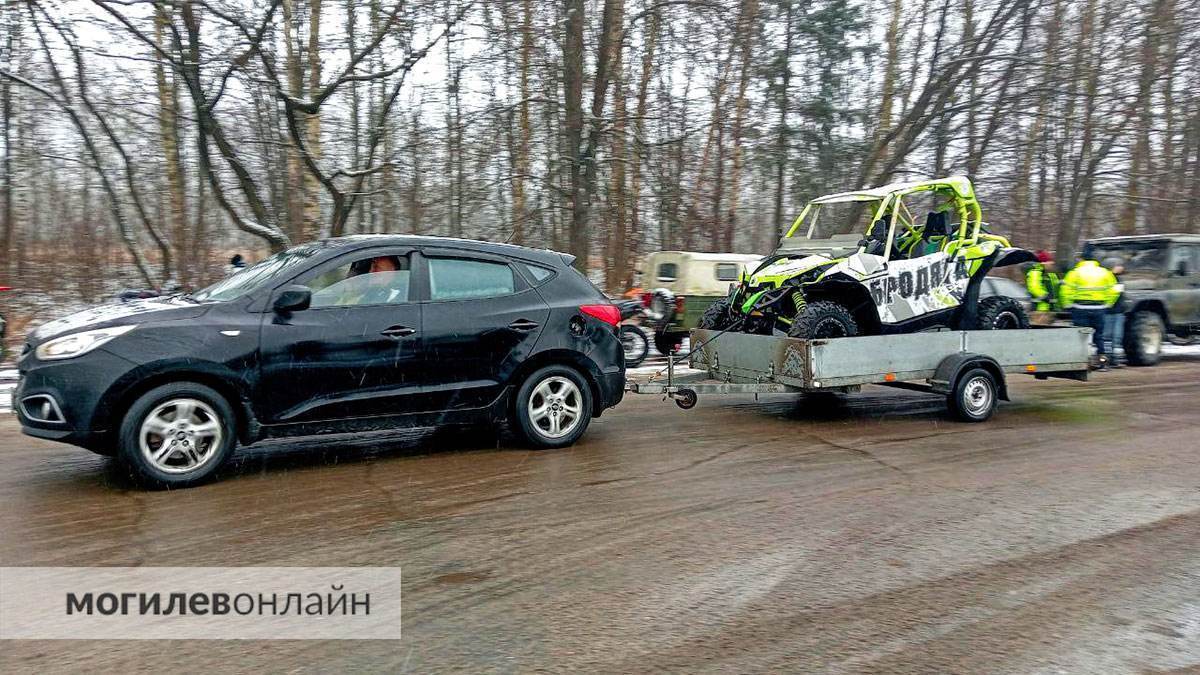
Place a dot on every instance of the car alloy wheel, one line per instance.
(555, 407)
(180, 435)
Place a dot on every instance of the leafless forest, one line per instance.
(145, 142)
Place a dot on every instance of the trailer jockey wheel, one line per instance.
(685, 398)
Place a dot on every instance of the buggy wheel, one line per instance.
(718, 316)
(1001, 312)
(636, 345)
(823, 319)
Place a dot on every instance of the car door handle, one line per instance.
(398, 331)
(523, 324)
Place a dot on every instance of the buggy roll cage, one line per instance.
(957, 189)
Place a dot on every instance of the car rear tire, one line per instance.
(636, 345)
(1144, 338)
(823, 319)
(176, 435)
(553, 407)
(717, 316)
(974, 396)
(1001, 312)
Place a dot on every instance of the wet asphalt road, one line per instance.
(875, 534)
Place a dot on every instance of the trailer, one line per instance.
(969, 368)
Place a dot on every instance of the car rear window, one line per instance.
(460, 279)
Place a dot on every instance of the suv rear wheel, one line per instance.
(176, 435)
(553, 407)
(1143, 338)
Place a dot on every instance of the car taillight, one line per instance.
(646, 298)
(609, 314)
(678, 305)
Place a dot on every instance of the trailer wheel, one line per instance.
(686, 399)
(974, 396)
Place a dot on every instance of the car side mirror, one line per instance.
(292, 299)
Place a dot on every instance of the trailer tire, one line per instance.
(1143, 338)
(974, 396)
(717, 316)
(1000, 312)
(823, 319)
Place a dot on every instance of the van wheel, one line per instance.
(553, 407)
(1000, 312)
(176, 435)
(1144, 338)
(823, 319)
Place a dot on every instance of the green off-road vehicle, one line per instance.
(902, 276)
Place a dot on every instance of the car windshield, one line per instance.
(256, 276)
(1147, 257)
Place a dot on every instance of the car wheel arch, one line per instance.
(561, 357)
(119, 402)
(1155, 306)
(853, 294)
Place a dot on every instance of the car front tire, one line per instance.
(553, 407)
(1143, 338)
(176, 435)
(823, 319)
(1001, 312)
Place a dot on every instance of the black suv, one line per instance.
(1162, 289)
(343, 335)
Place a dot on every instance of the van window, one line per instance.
(668, 271)
(727, 271)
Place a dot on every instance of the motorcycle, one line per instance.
(633, 338)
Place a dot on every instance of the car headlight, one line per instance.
(76, 344)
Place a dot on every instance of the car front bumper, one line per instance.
(63, 400)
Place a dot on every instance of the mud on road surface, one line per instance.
(872, 534)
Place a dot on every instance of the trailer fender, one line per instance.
(953, 366)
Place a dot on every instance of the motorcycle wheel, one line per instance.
(636, 345)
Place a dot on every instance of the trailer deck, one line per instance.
(936, 362)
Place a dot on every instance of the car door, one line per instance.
(480, 321)
(354, 353)
(1182, 284)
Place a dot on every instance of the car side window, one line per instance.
(727, 271)
(462, 279)
(370, 280)
(537, 273)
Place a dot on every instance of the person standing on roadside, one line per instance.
(1090, 290)
(1042, 283)
(1114, 327)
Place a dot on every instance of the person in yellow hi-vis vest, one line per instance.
(1042, 283)
(1089, 291)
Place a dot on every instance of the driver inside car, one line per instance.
(380, 287)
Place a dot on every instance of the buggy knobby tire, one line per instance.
(823, 319)
(717, 316)
(1001, 312)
